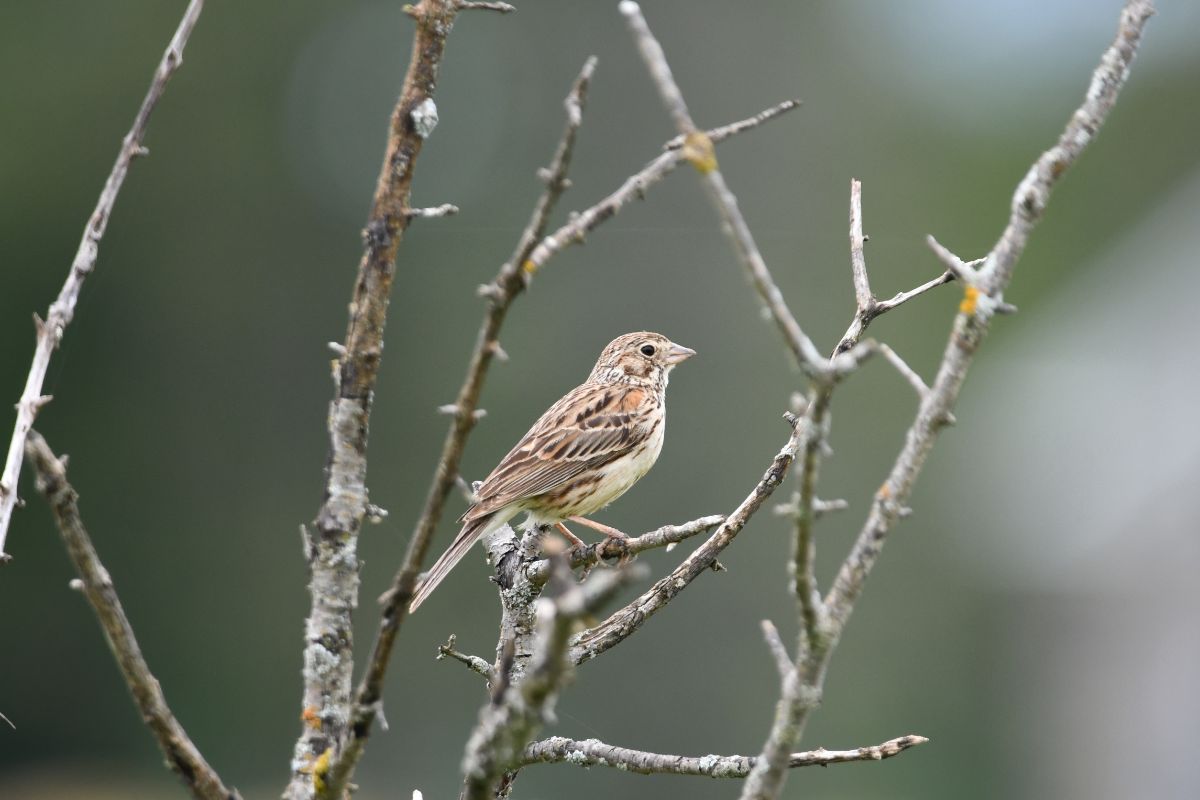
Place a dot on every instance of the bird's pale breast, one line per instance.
(595, 489)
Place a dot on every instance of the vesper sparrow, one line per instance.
(583, 453)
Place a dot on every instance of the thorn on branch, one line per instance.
(497, 351)
(490, 291)
(470, 5)
(823, 507)
(783, 661)
(474, 663)
(966, 273)
(453, 410)
(444, 210)
(465, 488)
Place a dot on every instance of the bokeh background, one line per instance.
(1035, 617)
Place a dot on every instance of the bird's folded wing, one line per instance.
(588, 427)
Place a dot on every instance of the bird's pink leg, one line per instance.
(572, 538)
(598, 526)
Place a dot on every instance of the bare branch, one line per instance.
(181, 754)
(1033, 193)
(320, 764)
(474, 663)
(594, 753)
(982, 296)
(969, 326)
(538, 572)
(625, 621)
(698, 149)
(634, 187)
(62, 310)
(505, 727)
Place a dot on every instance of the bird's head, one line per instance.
(640, 358)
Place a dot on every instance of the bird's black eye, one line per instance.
(647, 349)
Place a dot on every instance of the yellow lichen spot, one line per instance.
(969, 301)
(320, 768)
(529, 267)
(885, 492)
(311, 718)
(698, 150)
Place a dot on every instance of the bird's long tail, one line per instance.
(471, 533)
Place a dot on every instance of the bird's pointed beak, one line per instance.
(678, 353)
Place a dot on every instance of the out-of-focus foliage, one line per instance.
(191, 390)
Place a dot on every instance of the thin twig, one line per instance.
(698, 150)
(333, 538)
(627, 620)
(538, 572)
(594, 753)
(181, 754)
(725, 131)
(884, 306)
(62, 310)
(634, 187)
(505, 728)
(905, 370)
(474, 663)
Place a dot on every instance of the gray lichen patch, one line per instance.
(424, 117)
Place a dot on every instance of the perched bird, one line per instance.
(583, 453)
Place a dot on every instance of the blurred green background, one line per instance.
(1035, 617)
